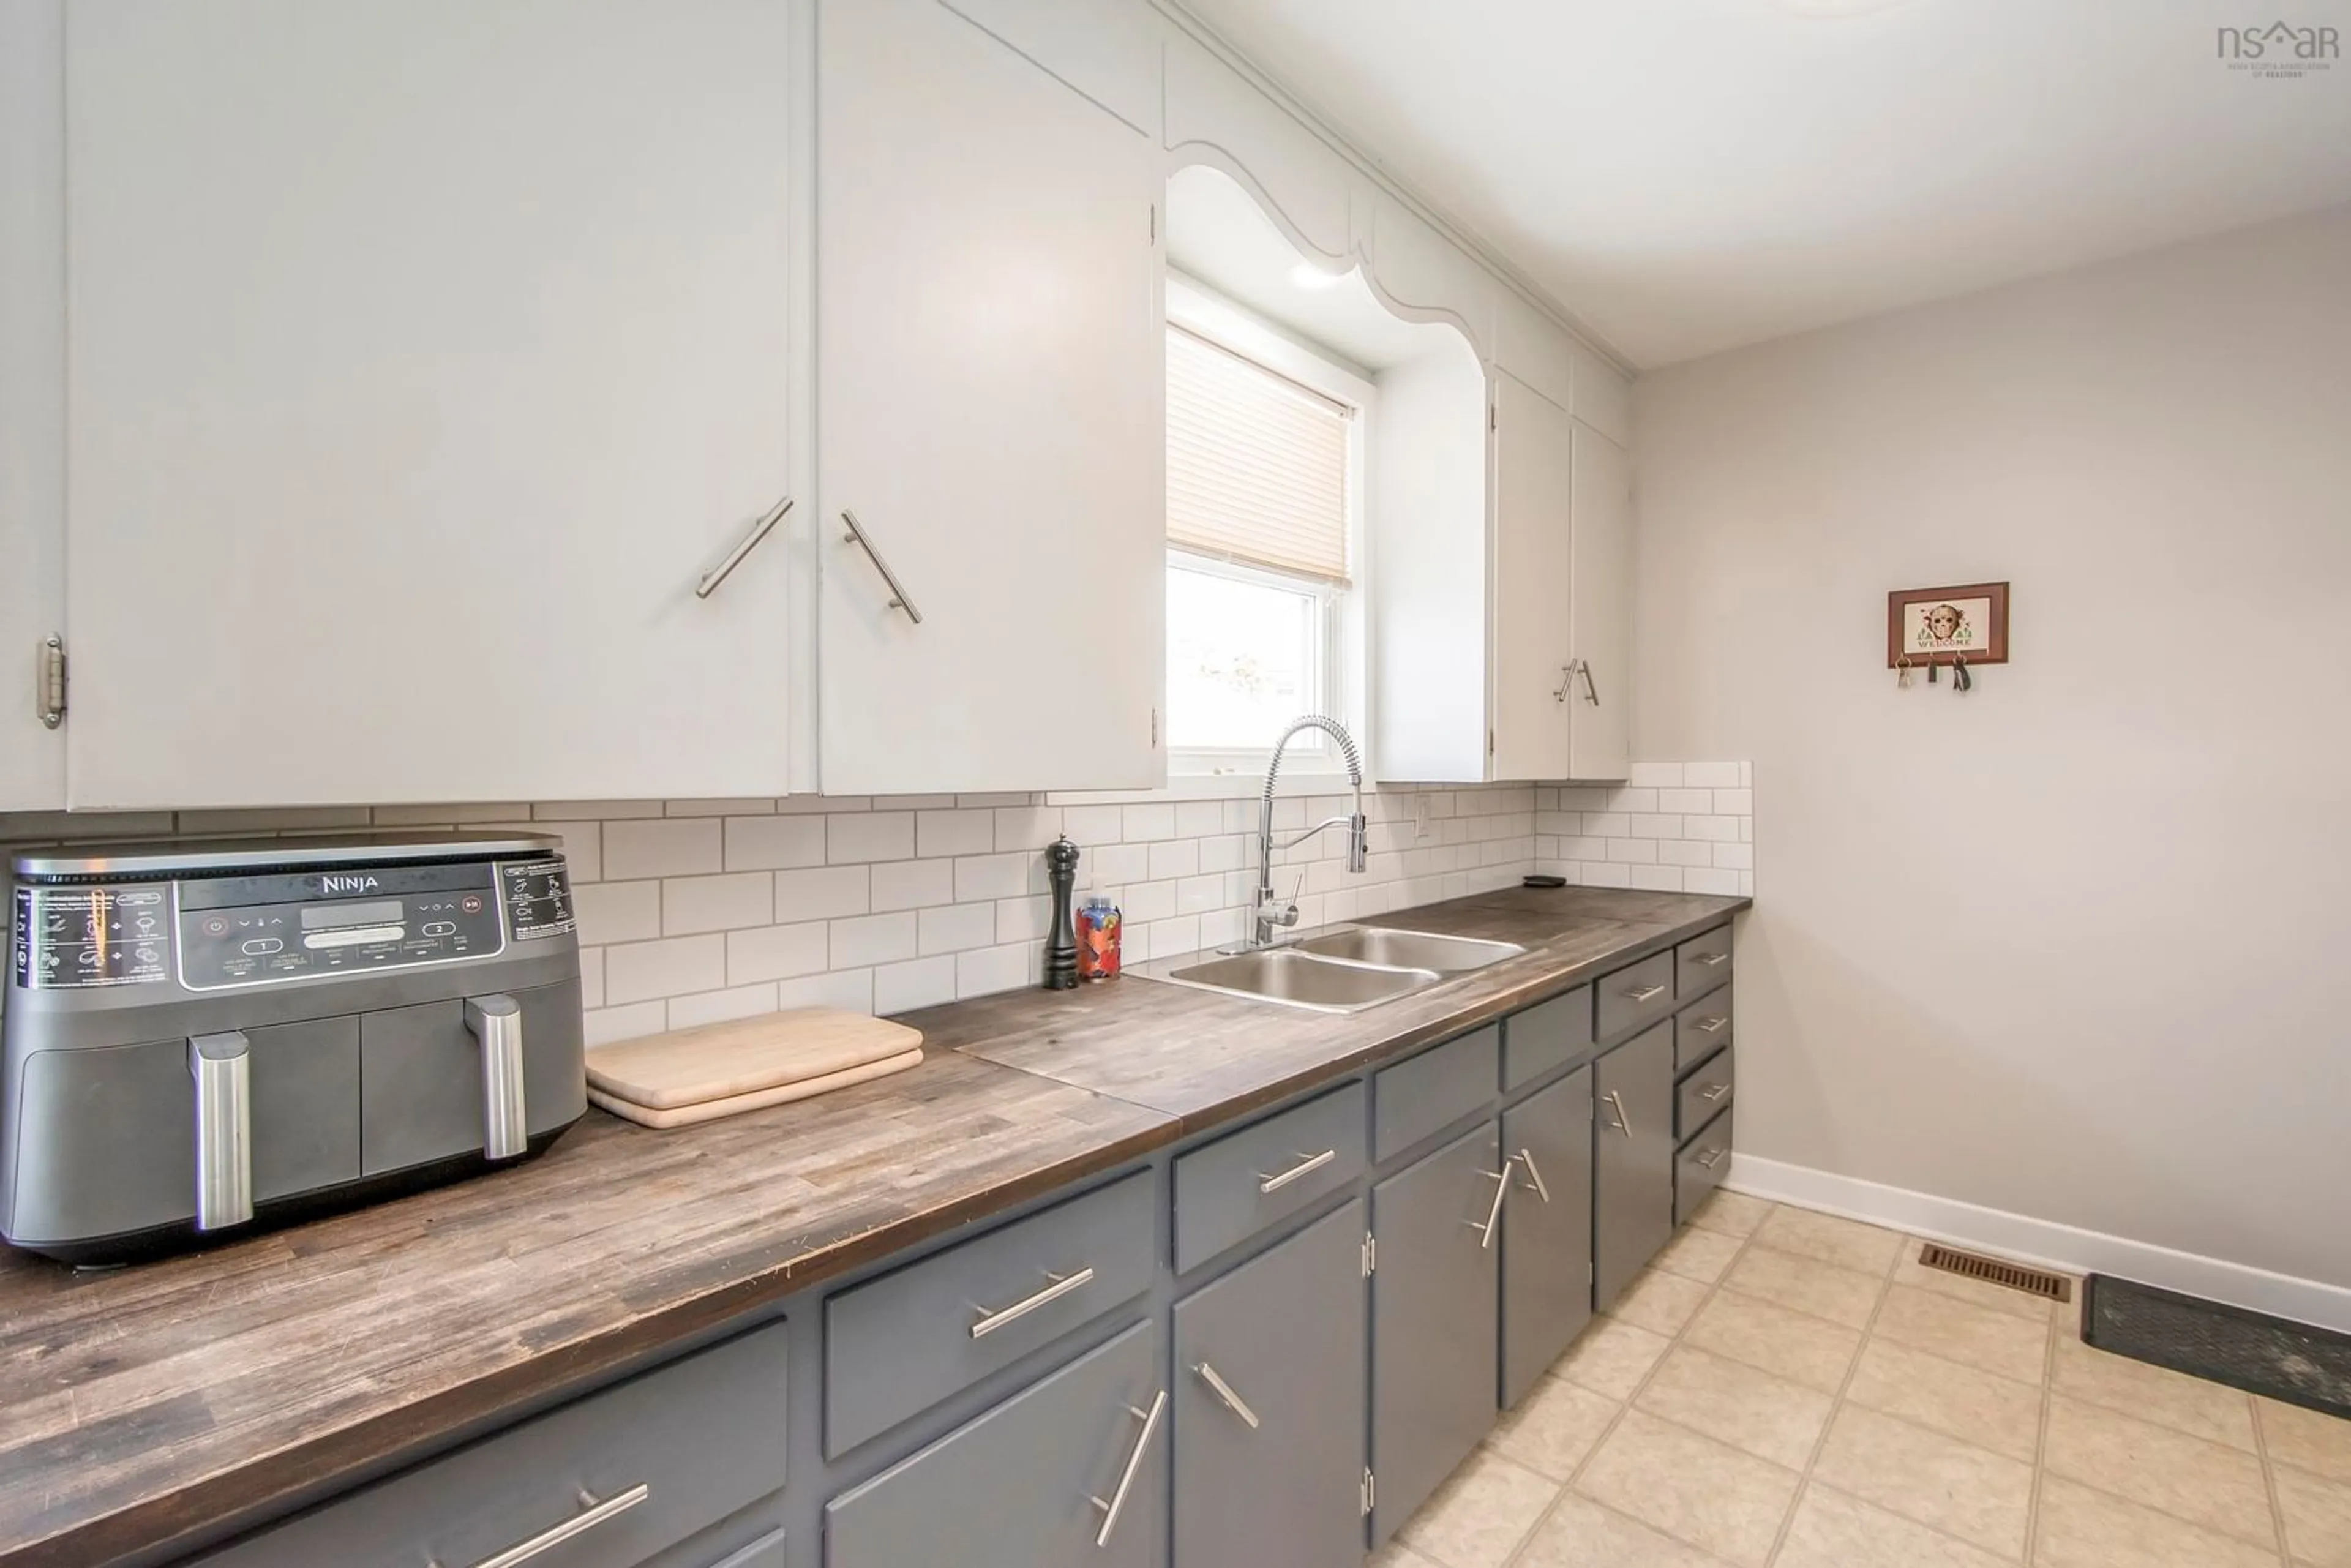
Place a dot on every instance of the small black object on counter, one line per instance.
(1061, 946)
(1543, 879)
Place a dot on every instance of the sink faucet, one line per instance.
(1268, 910)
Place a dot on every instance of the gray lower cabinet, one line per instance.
(1546, 1230)
(1633, 1159)
(1071, 1470)
(1435, 1319)
(1269, 1406)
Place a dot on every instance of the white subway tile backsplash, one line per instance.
(618, 911)
(605, 1025)
(1199, 818)
(1092, 824)
(1607, 825)
(1022, 828)
(582, 810)
(1714, 774)
(774, 843)
(1143, 902)
(1679, 801)
(591, 976)
(697, 904)
(1712, 828)
(912, 884)
(1142, 825)
(821, 893)
(871, 836)
(1735, 802)
(992, 877)
(722, 1006)
(1656, 774)
(1685, 851)
(583, 846)
(849, 990)
(916, 983)
(660, 846)
(1656, 827)
(955, 833)
(1687, 826)
(912, 802)
(1024, 919)
(1632, 852)
(749, 806)
(1735, 857)
(867, 939)
(1175, 858)
(778, 952)
(1112, 865)
(1657, 878)
(955, 928)
(989, 969)
(1698, 880)
(643, 971)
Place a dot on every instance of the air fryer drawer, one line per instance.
(898, 1344)
(1230, 1190)
(1632, 1000)
(1706, 1091)
(699, 1439)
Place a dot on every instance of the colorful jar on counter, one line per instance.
(1098, 938)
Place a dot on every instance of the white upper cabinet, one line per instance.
(423, 355)
(1212, 110)
(1421, 271)
(32, 396)
(1604, 398)
(1534, 348)
(1533, 576)
(1106, 49)
(991, 393)
(1600, 709)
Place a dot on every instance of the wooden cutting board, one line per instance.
(710, 1110)
(719, 1061)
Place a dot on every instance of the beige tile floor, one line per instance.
(1784, 1389)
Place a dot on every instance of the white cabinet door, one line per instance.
(32, 394)
(423, 355)
(1600, 708)
(991, 394)
(1534, 573)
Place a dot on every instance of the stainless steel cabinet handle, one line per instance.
(591, 1514)
(1645, 993)
(1710, 1026)
(1566, 683)
(726, 569)
(221, 1064)
(1061, 1286)
(1712, 1158)
(1591, 687)
(1711, 959)
(1713, 1092)
(898, 600)
(1623, 1123)
(1501, 1180)
(1224, 1391)
(1526, 1159)
(497, 1022)
(1308, 1163)
(1150, 1419)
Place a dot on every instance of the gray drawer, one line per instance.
(767, 1551)
(1014, 1488)
(1702, 963)
(1434, 1090)
(898, 1344)
(1632, 1000)
(1699, 1169)
(1705, 1092)
(1700, 1028)
(1546, 1037)
(1230, 1190)
(700, 1438)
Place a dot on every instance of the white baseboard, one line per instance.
(2026, 1239)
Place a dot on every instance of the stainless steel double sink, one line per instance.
(1341, 970)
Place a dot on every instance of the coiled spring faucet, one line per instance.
(1270, 911)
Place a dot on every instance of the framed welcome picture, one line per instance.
(1943, 625)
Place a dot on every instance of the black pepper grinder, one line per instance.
(1061, 946)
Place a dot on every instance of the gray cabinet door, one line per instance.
(1433, 1321)
(1633, 1164)
(1018, 1488)
(1269, 1406)
(1547, 1231)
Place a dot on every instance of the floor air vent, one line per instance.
(1991, 1271)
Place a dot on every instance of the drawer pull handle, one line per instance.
(1623, 1123)
(1526, 1159)
(1501, 1180)
(1713, 1092)
(1224, 1391)
(726, 569)
(1712, 1158)
(1711, 959)
(857, 536)
(1645, 994)
(1710, 1026)
(591, 1514)
(1150, 1419)
(1061, 1286)
(1307, 1165)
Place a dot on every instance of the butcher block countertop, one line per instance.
(143, 1410)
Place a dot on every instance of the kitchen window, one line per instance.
(1264, 508)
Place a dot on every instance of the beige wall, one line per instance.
(2077, 945)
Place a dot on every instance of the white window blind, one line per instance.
(1257, 465)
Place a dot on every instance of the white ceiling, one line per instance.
(1689, 175)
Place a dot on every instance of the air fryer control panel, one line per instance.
(215, 932)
